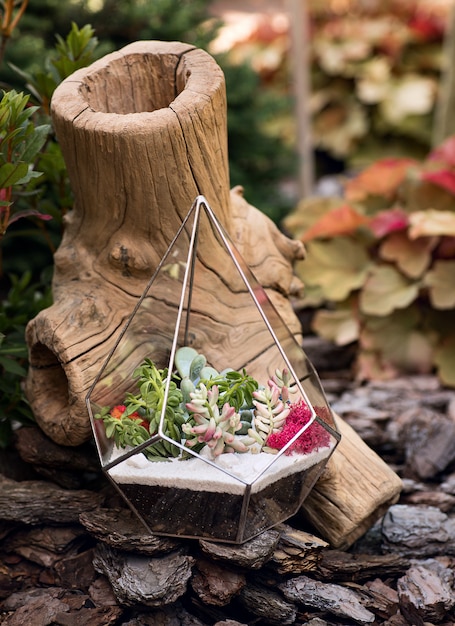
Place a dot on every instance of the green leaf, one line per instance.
(76, 51)
(339, 326)
(12, 173)
(337, 267)
(183, 359)
(400, 340)
(206, 372)
(197, 364)
(12, 366)
(110, 428)
(386, 290)
(33, 144)
(441, 283)
(313, 296)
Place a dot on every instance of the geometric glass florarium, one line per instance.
(208, 416)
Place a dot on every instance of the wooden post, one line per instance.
(143, 132)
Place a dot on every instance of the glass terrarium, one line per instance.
(208, 416)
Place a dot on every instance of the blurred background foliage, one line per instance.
(379, 225)
(375, 75)
(375, 66)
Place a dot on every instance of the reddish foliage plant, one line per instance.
(313, 438)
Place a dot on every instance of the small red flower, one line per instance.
(118, 411)
(142, 422)
(313, 438)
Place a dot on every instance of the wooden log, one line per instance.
(39, 502)
(355, 490)
(143, 132)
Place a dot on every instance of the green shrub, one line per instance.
(22, 302)
(34, 189)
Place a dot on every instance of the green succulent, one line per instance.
(271, 408)
(211, 426)
(204, 408)
(235, 388)
(148, 405)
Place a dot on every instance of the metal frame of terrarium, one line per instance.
(257, 293)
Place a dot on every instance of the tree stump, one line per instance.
(143, 133)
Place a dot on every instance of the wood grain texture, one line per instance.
(355, 490)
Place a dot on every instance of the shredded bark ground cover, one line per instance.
(71, 553)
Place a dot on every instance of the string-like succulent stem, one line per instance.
(272, 407)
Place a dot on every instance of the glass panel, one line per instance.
(207, 415)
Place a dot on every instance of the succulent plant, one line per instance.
(126, 428)
(235, 388)
(226, 412)
(148, 405)
(191, 367)
(272, 407)
(211, 426)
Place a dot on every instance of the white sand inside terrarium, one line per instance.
(198, 475)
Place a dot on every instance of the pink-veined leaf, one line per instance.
(412, 256)
(307, 212)
(442, 178)
(386, 290)
(337, 267)
(388, 221)
(444, 153)
(426, 27)
(399, 341)
(441, 283)
(339, 325)
(439, 167)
